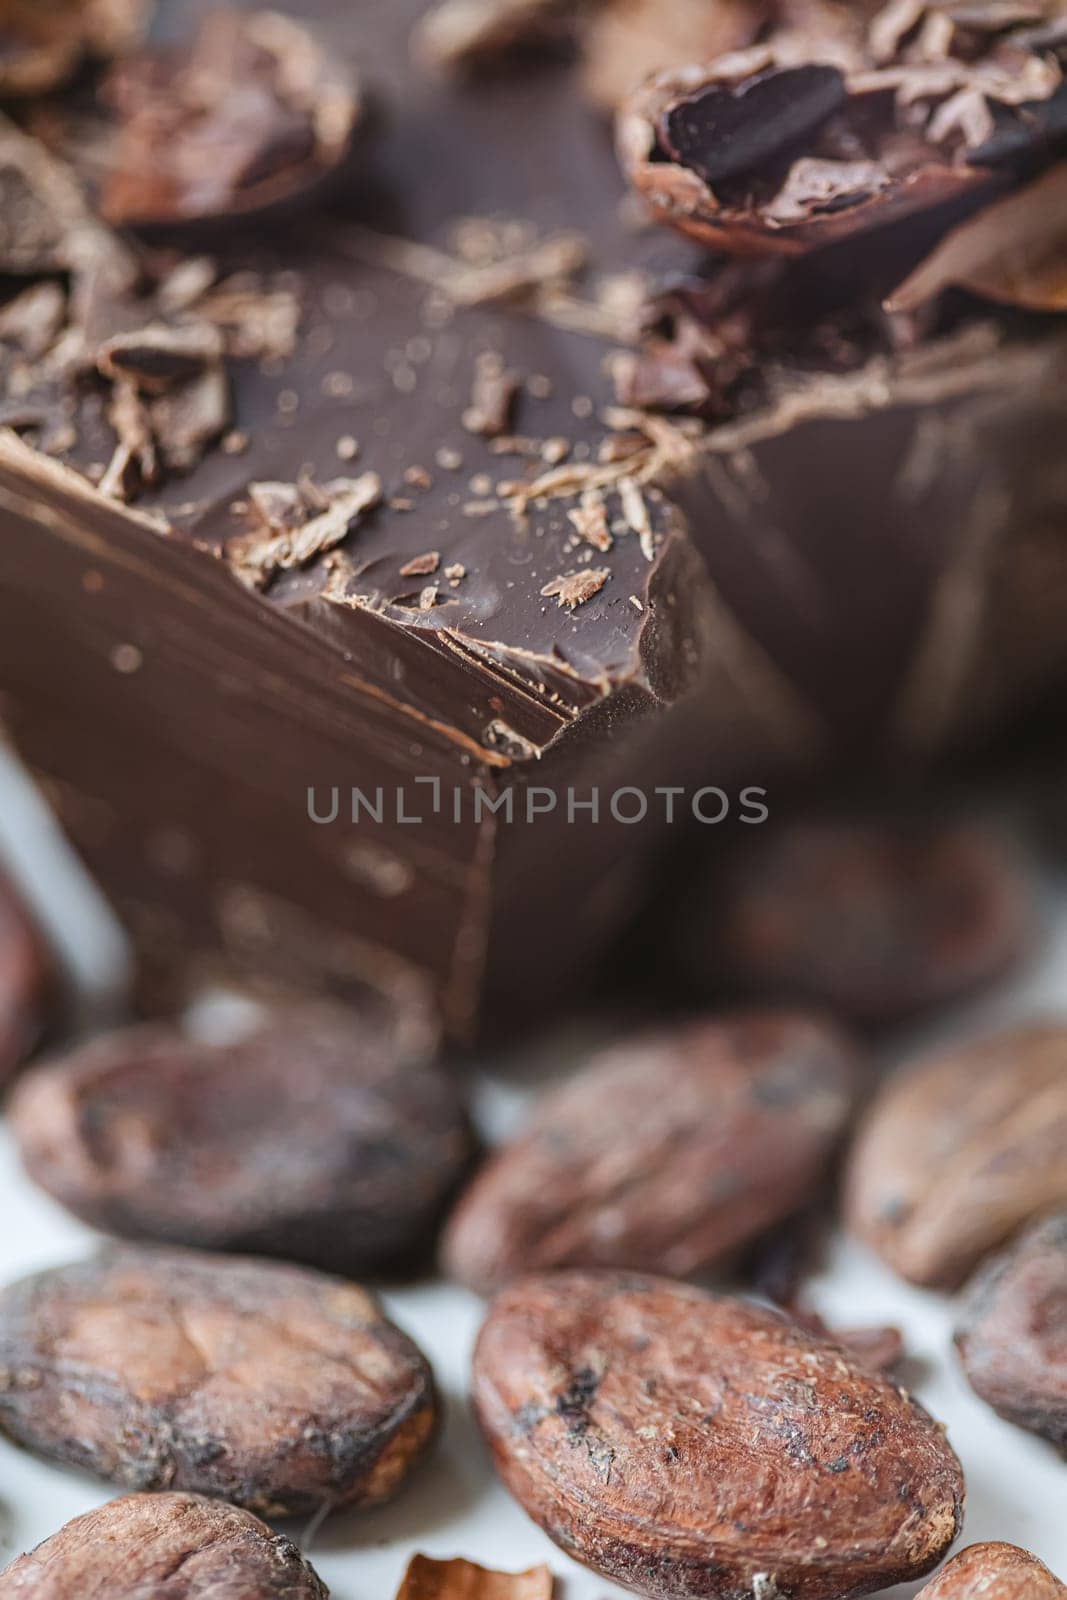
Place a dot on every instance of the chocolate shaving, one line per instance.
(156, 358)
(1013, 253)
(34, 320)
(493, 395)
(430, 1579)
(590, 520)
(573, 589)
(296, 523)
(252, 114)
(421, 566)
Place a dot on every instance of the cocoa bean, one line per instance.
(994, 1572)
(313, 1138)
(686, 1444)
(666, 1153)
(1013, 1338)
(877, 922)
(163, 1547)
(960, 1151)
(273, 1387)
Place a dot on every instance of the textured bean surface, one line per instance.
(960, 1151)
(163, 1547)
(687, 1444)
(665, 1154)
(312, 1138)
(1013, 1339)
(994, 1572)
(877, 922)
(27, 982)
(274, 1387)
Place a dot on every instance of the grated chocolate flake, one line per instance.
(573, 589)
(297, 522)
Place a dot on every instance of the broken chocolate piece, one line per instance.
(252, 114)
(428, 1578)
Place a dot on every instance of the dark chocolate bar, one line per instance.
(358, 496)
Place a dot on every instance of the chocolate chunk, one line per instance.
(318, 1137)
(278, 1389)
(1012, 1340)
(168, 1546)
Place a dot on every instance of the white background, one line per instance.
(1017, 1485)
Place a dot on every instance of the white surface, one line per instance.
(1017, 1485)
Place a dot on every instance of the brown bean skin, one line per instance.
(686, 1444)
(163, 1547)
(961, 1150)
(994, 1572)
(314, 1138)
(877, 922)
(273, 1387)
(27, 983)
(1013, 1338)
(666, 1154)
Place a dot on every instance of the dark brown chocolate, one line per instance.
(859, 557)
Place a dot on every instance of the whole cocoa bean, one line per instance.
(665, 1153)
(877, 922)
(27, 982)
(961, 1150)
(687, 1444)
(273, 1387)
(1013, 1338)
(163, 1547)
(313, 1137)
(994, 1572)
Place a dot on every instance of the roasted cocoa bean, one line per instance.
(685, 1444)
(27, 982)
(994, 1572)
(668, 1152)
(273, 1387)
(163, 1547)
(1013, 1338)
(876, 922)
(314, 1137)
(960, 1151)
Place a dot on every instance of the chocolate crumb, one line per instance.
(421, 566)
(493, 395)
(575, 588)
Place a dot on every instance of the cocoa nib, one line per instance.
(878, 922)
(168, 1546)
(1013, 1337)
(430, 1579)
(318, 1136)
(619, 1408)
(994, 1572)
(960, 1151)
(828, 129)
(273, 1387)
(669, 1152)
(253, 113)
